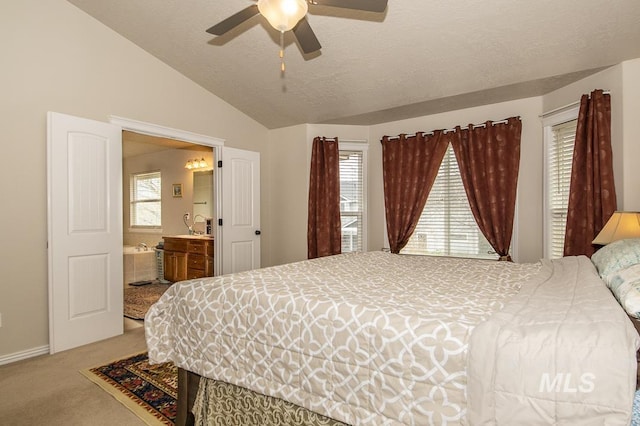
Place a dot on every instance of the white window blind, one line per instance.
(559, 159)
(352, 200)
(447, 226)
(146, 200)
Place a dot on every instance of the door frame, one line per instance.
(182, 135)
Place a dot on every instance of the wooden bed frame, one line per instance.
(187, 388)
(636, 324)
(188, 383)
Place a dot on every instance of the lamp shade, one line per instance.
(621, 225)
(283, 15)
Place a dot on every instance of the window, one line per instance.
(560, 134)
(352, 197)
(146, 200)
(447, 226)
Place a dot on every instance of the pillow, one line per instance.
(616, 256)
(625, 286)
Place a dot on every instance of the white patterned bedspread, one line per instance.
(364, 338)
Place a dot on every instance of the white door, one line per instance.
(84, 189)
(240, 210)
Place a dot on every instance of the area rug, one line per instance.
(138, 299)
(149, 391)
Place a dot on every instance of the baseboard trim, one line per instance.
(19, 356)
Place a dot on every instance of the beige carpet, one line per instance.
(49, 390)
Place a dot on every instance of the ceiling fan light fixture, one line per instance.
(283, 15)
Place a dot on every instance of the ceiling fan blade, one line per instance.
(234, 20)
(367, 5)
(306, 37)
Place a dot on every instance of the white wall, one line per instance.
(286, 165)
(631, 135)
(57, 58)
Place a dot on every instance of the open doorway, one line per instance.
(168, 190)
(85, 220)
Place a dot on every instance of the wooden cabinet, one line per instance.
(199, 258)
(186, 258)
(175, 266)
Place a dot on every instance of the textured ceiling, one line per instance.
(419, 57)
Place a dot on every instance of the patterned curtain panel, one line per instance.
(592, 193)
(323, 229)
(489, 159)
(409, 166)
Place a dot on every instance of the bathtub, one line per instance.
(138, 264)
(136, 250)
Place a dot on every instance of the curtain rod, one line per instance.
(343, 140)
(445, 131)
(572, 104)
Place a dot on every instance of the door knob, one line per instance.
(258, 232)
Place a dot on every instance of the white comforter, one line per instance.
(561, 352)
(368, 338)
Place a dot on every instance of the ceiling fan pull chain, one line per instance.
(282, 52)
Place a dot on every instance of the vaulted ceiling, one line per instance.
(419, 57)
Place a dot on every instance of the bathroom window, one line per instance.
(146, 200)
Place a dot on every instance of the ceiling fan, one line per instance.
(285, 15)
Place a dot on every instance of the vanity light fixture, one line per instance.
(196, 164)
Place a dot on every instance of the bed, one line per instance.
(385, 339)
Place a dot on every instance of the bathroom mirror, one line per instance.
(203, 193)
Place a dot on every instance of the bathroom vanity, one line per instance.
(187, 257)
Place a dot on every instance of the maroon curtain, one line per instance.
(323, 228)
(489, 159)
(409, 166)
(592, 193)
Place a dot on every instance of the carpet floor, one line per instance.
(138, 299)
(49, 390)
(149, 391)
